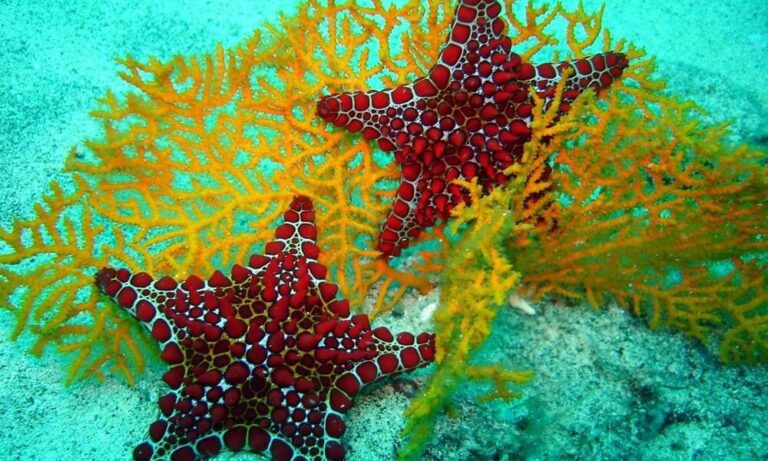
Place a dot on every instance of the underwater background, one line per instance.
(605, 386)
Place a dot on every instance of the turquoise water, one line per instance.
(606, 386)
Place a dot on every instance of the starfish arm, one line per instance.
(185, 429)
(166, 307)
(138, 294)
(396, 354)
(297, 235)
(401, 224)
(373, 354)
(123, 288)
(476, 24)
(596, 72)
(365, 355)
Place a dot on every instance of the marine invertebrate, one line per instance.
(267, 359)
(469, 117)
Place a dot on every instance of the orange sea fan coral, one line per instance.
(53, 300)
(204, 144)
(662, 216)
(199, 147)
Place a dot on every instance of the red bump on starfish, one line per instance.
(468, 117)
(267, 360)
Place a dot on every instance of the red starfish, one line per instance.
(469, 117)
(268, 359)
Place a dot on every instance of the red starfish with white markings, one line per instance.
(469, 117)
(267, 359)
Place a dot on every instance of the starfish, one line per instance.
(469, 117)
(267, 359)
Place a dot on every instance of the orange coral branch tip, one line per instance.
(404, 278)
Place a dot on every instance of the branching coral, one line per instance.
(202, 145)
(477, 278)
(652, 209)
(54, 300)
(642, 205)
(647, 208)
